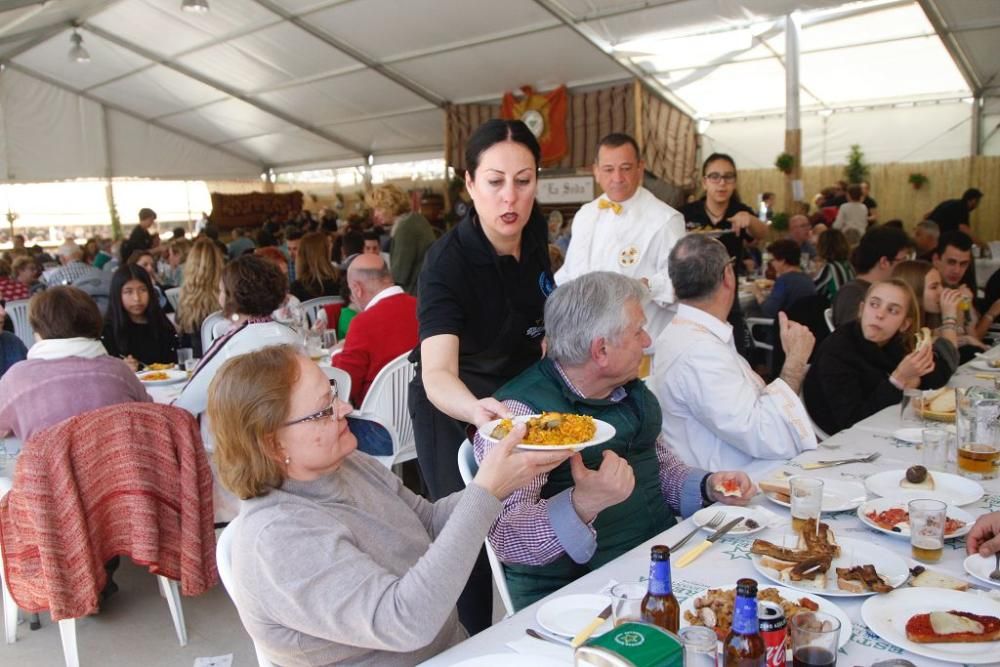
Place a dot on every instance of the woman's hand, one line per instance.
(950, 298)
(506, 469)
(717, 480)
(914, 366)
(741, 221)
(132, 363)
(487, 409)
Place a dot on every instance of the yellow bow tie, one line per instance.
(607, 203)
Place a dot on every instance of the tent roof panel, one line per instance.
(880, 25)
(967, 12)
(543, 59)
(749, 87)
(227, 120)
(344, 97)
(401, 133)
(290, 146)
(981, 48)
(107, 60)
(418, 25)
(157, 91)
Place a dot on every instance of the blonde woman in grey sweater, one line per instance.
(334, 560)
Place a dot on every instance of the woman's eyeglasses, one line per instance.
(326, 413)
(715, 177)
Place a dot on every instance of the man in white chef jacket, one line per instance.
(626, 230)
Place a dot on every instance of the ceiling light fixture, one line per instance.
(77, 52)
(195, 6)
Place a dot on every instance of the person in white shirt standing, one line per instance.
(852, 216)
(717, 412)
(626, 230)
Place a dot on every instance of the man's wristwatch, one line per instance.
(705, 499)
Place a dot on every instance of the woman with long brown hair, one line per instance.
(199, 296)
(315, 274)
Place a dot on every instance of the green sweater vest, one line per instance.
(621, 527)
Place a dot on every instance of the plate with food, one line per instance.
(938, 405)
(838, 495)
(984, 364)
(552, 430)
(162, 377)
(916, 481)
(159, 367)
(892, 517)
(813, 560)
(755, 519)
(953, 626)
(567, 615)
(923, 577)
(714, 609)
(980, 568)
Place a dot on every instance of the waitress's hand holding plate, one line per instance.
(489, 409)
(505, 469)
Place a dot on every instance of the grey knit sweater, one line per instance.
(354, 569)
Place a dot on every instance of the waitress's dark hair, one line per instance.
(117, 317)
(728, 158)
(496, 131)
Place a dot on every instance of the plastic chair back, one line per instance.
(224, 561)
(17, 311)
(467, 467)
(387, 398)
(173, 297)
(313, 306)
(343, 380)
(208, 330)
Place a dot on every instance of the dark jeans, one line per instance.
(438, 438)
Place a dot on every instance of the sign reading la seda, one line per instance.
(566, 190)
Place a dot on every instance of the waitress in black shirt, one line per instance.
(482, 292)
(721, 209)
(136, 328)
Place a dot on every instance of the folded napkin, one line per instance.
(530, 646)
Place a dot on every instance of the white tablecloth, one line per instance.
(729, 560)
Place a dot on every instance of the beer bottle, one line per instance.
(659, 606)
(744, 647)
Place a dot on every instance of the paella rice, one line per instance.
(552, 428)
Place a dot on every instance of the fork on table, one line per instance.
(828, 464)
(714, 522)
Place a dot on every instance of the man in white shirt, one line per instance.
(717, 412)
(627, 230)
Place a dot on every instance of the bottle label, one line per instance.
(659, 578)
(745, 616)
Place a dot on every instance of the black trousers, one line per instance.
(438, 438)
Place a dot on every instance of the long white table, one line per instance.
(729, 559)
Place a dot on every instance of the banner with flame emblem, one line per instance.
(545, 116)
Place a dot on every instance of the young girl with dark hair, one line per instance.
(136, 328)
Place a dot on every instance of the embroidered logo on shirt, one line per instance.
(629, 256)
(546, 283)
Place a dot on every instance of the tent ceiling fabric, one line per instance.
(287, 82)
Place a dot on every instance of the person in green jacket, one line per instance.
(412, 235)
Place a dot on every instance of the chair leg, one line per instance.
(67, 633)
(9, 611)
(171, 591)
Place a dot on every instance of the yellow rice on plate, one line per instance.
(552, 428)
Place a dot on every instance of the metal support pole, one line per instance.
(793, 129)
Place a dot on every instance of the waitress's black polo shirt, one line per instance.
(467, 290)
(696, 217)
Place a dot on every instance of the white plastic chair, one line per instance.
(828, 316)
(467, 467)
(313, 306)
(224, 561)
(343, 380)
(767, 324)
(173, 297)
(17, 311)
(387, 398)
(208, 330)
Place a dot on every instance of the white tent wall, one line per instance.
(892, 134)
(51, 134)
(991, 126)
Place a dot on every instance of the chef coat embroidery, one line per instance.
(629, 256)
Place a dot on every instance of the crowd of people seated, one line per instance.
(335, 559)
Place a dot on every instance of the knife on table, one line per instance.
(584, 634)
(687, 558)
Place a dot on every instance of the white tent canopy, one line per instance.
(257, 84)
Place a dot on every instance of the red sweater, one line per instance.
(377, 335)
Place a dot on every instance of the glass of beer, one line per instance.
(807, 500)
(927, 519)
(815, 636)
(978, 435)
(626, 602)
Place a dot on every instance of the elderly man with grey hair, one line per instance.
(717, 412)
(610, 497)
(925, 236)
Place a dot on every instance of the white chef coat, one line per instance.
(635, 242)
(717, 412)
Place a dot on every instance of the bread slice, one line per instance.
(851, 585)
(952, 627)
(777, 488)
(776, 563)
(926, 485)
(932, 579)
(818, 582)
(943, 400)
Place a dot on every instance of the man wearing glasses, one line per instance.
(626, 230)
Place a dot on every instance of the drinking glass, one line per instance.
(927, 518)
(935, 448)
(815, 636)
(908, 406)
(806, 500)
(183, 354)
(314, 344)
(700, 646)
(626, 603)
(978, 428)
(191, 364)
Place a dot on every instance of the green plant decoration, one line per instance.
(785, 163)
(779, 222)
(917, 180)
(856, 169)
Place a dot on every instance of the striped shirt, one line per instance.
(535, 531)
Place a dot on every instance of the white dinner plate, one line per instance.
(567, 615)
(980, 568)
(174, 376)
(886, 616)
(882, 504)
(838, 496)
(852, 552)
(983, 365)
(947, 487)
(508, 659)
(825, 606)
(604, 432)
(760, 516)
(911, 435)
